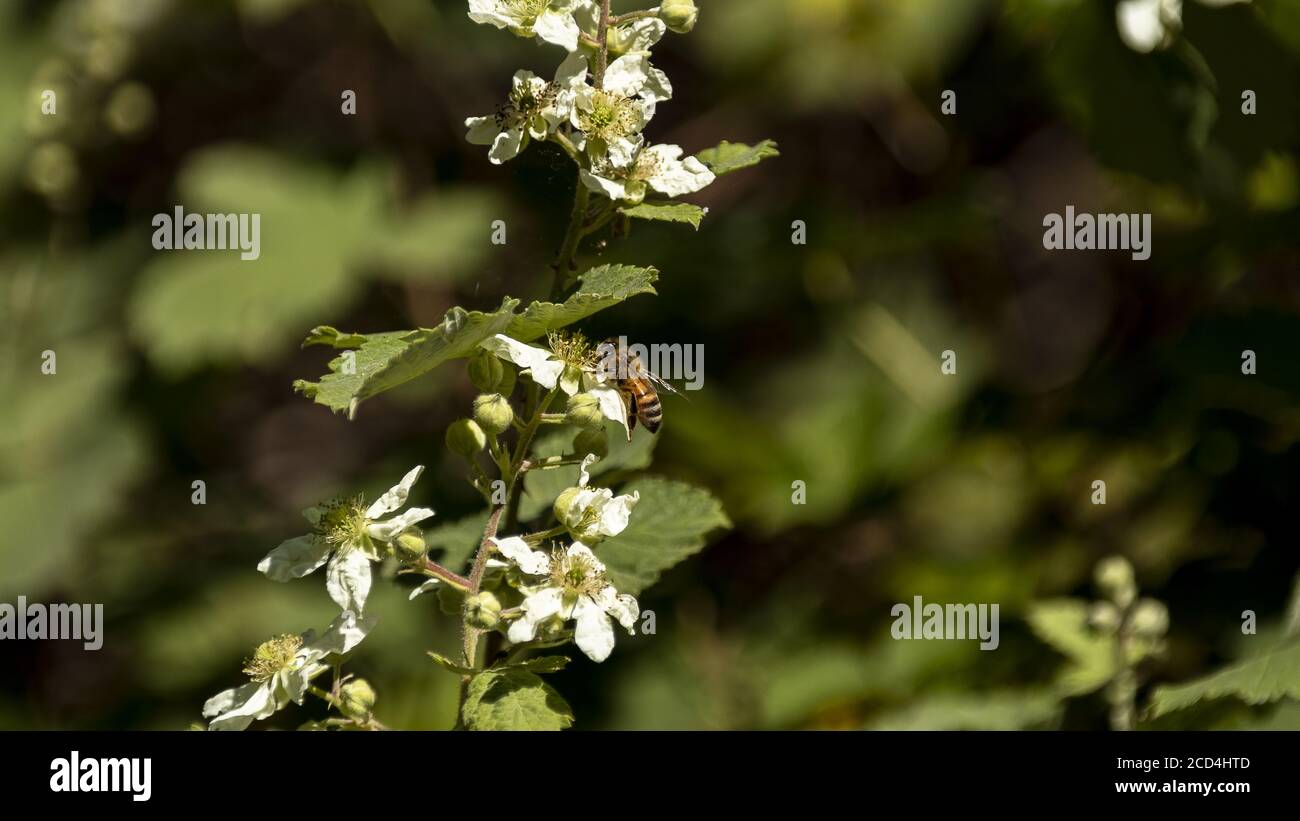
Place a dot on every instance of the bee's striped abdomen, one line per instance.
(650, 412)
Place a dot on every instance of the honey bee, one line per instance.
(637, 384)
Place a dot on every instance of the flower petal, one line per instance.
(481, 130)
(539, 362)
(627, 75)
(615, 514)
(425, 587)
(236, 709)
(396, 495)
(593, 632)
(611, 402)
(613, 189)
(506, 145)
(557, 26)
(344, 633)
(533, 562)
(583, 476)
(347, 578)
(624, 608)
(537, 608)
(390, 529)
(295, 558)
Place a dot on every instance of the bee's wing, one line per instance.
(655, 378)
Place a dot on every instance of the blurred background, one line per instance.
(924, 235)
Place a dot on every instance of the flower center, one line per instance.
(272, 656)
(526, 11)
(646, 167)
(608, 116)
(525, 102)
(572, 349)
(576, 575)
(343, 522)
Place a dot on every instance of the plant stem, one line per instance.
(602, 36)
(438, 571)
(569, 248)
(485, 549)
(564, 260)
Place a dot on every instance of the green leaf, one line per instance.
(449, 665)
(543, 664)
(1063, 623)
(669, 524)
(387, 360)
(598, 289)
(692, 215)
(728, 157)
(513, 699)
(1260, 680)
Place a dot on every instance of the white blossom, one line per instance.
(609, 120)
(573, 587)
(549, 371)
(281, 670)
(658, 168)
(533, 110)
(348, 537)
(549, 20)
(594, 514)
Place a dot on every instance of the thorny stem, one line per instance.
(564, 260)
(485, 548)
(1122, 690)
(602, 35)
(569, 248)
(436, 570)
(564, 266)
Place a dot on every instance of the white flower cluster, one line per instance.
(569, 584)
(600, 123)
(347, 536)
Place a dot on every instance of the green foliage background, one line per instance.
(924, 234)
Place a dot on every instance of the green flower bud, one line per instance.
(465, 438)
(1114, 577)
(486, 372)
(562, 504)
(679, 15)
(409, 547)
(594, 440)
(1104, 616)
(483, 610)
(1150, 619)
(506, 384)
(583, 411)
(357, 698)
(493, 413)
